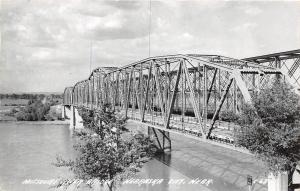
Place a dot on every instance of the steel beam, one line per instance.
(193, 100)
(128, 92)
(216, 114)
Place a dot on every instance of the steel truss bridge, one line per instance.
(184, 93)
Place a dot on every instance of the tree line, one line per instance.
(29, 96)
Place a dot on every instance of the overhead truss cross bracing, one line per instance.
(288, 62)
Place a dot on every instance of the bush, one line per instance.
(12, 112)
(103, 154)
(102, 120)
(271, 128)
(229, 116)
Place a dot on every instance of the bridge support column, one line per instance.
(76, 121)
(279, 182)
(296, 178)
(66, 112)
(161, 139)
(63, 112)
(72, 118)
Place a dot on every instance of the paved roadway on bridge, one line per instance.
(192, 159)
(190, 125)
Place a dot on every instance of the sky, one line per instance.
(47, 45)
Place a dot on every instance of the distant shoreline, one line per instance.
(57, 122)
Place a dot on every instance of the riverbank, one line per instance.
(5, 110)
(10, 113)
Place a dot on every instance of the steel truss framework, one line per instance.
(175, 90)
(288, 62)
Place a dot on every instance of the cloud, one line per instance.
(252, 11)
(244, 27)
(120, 25)
(50, 41)
(126, 5)
(187, 35)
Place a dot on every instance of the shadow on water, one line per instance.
(191, 172)
(164, 158)
(192, 159)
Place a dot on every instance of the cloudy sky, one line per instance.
(46, 44)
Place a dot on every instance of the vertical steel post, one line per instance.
(173, 96)
(141, 90)
(204, 117)
(199, 88)
(147, 92)
(182, 96)
(234, 97)
(128, 92)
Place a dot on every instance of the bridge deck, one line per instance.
(223, 130)
(185, 125)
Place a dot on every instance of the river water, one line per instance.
(27, 151)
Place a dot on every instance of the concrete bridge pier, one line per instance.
(71, 112)
(161, 139)
(278, 182)
(66, 111)
(73, 117)
(63, 112)
(296, 177)
(76, 121)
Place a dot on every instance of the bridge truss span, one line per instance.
(288, 62)
(181, 92)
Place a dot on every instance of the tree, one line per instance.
(270, 128)
(53, 114)
(34, 111)
(105, 155)
(103, 119)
